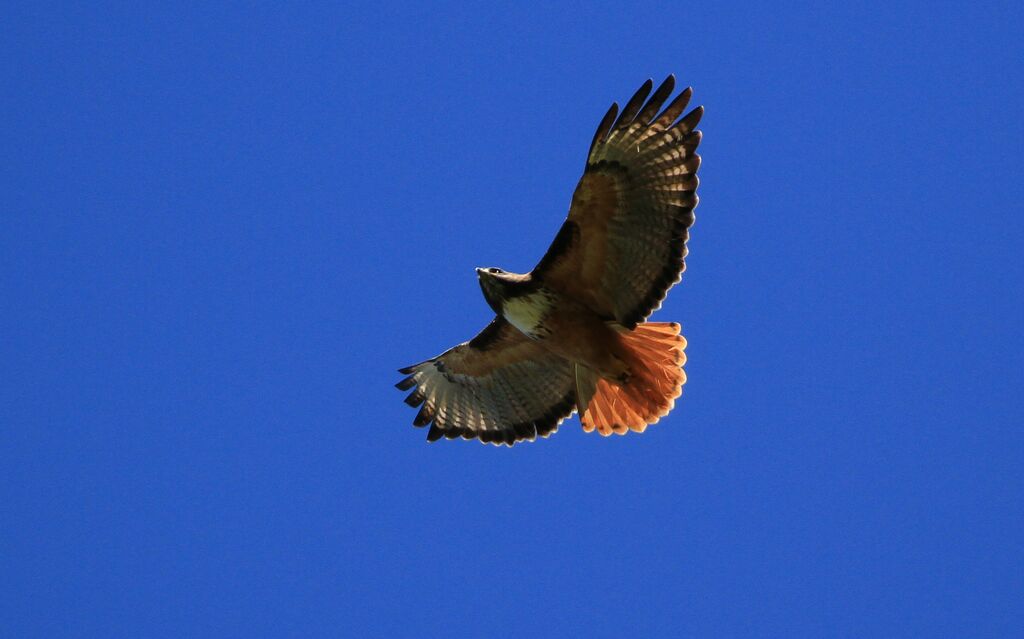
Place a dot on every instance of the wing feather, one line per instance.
(633, 106)
(605, 126)
(500, 387)
(623, 244)
(660, 95)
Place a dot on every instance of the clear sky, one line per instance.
(222, 230)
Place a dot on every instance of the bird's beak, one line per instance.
(479, 272)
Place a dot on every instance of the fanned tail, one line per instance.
(655, 356)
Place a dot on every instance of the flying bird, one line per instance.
(571, 335)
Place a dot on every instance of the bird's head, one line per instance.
(498, 285)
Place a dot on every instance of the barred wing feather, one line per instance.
(623, 244)
(500, 387)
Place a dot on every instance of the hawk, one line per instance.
(571, 335)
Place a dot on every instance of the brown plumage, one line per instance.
(572, 334)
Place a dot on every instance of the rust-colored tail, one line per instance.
(655, 356)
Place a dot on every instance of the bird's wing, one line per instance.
(623, 244)
(500, 387)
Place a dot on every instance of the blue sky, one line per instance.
(223, 229)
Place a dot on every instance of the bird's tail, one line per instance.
(654, 353)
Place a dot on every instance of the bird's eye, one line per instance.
(494, 270)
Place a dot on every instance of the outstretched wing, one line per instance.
(500, 386)
(623, 244)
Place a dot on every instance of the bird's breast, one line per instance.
(528, 312)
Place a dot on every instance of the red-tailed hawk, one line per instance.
(571, 334)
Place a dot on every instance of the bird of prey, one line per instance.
(571, 335)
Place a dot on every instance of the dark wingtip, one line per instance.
(650, 110)
(605, 125)
(692, 119)
(633, 106)
(407, 369)
(434, 434)
(415, 398)
(423, 417)
(675, 108)
(406, 383)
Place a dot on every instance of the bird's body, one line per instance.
(571, 334)
(556, 320)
